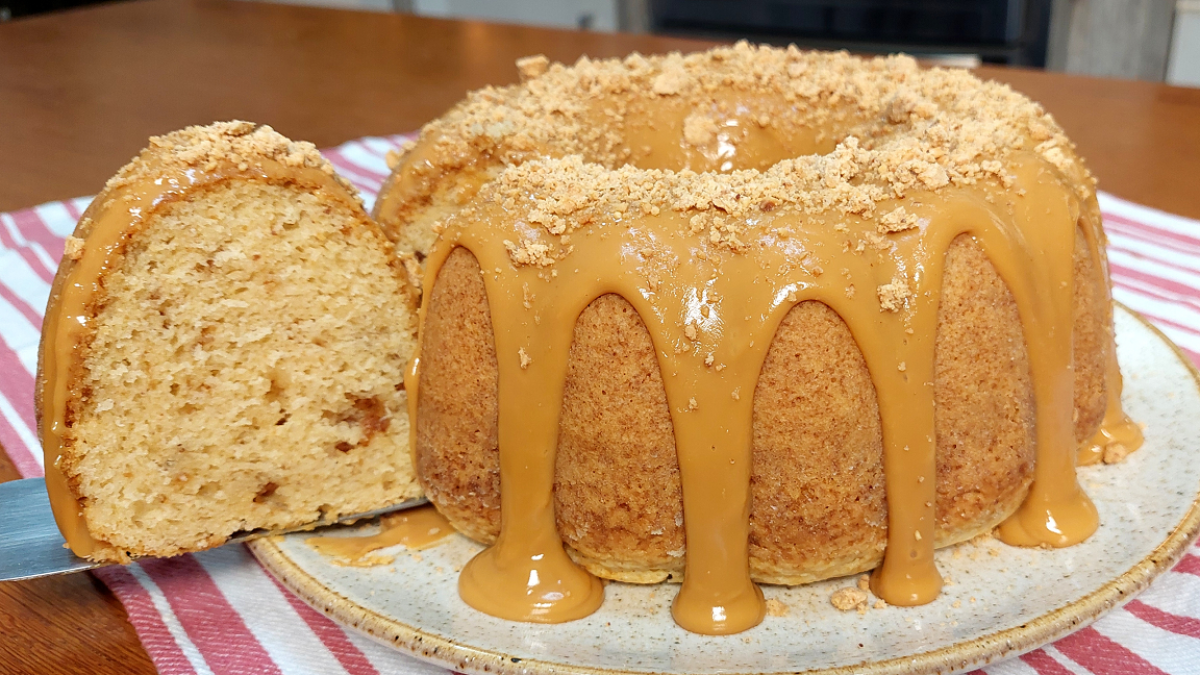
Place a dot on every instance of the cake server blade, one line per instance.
(31, 546)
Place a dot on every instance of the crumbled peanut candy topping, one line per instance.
(893, 295)
(533, 66)
(1115, 453)
(901, 127)
(777, 608)
(909, 130)
(847, 599)
(896, 220)
(73, 248)
(207, 148)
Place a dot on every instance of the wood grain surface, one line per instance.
(80, 91)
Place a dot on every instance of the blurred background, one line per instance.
(1157, 40)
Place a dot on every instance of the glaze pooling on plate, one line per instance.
(1023, 597)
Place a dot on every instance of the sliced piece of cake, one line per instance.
(224, 350)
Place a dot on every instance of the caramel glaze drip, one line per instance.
(1116, 428)
(712, 316)
(416, 529)
(107, 226)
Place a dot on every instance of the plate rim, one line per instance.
(956, 657)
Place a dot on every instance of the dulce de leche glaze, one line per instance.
(416, 529)
(172, 168)
(712, 300)
(892, 164)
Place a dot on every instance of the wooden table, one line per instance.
(80, 92)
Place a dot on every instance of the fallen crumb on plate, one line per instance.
(983, 538)
(777, 608)
(846, 599)
(365, 561)
(1115, 453)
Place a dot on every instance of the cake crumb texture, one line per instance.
(246, 369)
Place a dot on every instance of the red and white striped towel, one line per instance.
(218, 612)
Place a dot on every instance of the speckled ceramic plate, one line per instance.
(1000, 601)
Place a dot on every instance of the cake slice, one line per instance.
(224, 350)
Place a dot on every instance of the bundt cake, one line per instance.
(224, 350)
(749, 315)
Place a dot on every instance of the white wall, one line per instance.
(600, 15)
(1183, 68)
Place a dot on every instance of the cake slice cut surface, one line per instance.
(224, 351)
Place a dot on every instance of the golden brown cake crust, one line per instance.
(456, 453)
(617, 492)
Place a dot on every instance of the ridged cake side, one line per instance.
(818, 508)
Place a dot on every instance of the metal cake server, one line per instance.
(31, 546)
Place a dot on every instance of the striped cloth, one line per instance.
(219, 612)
